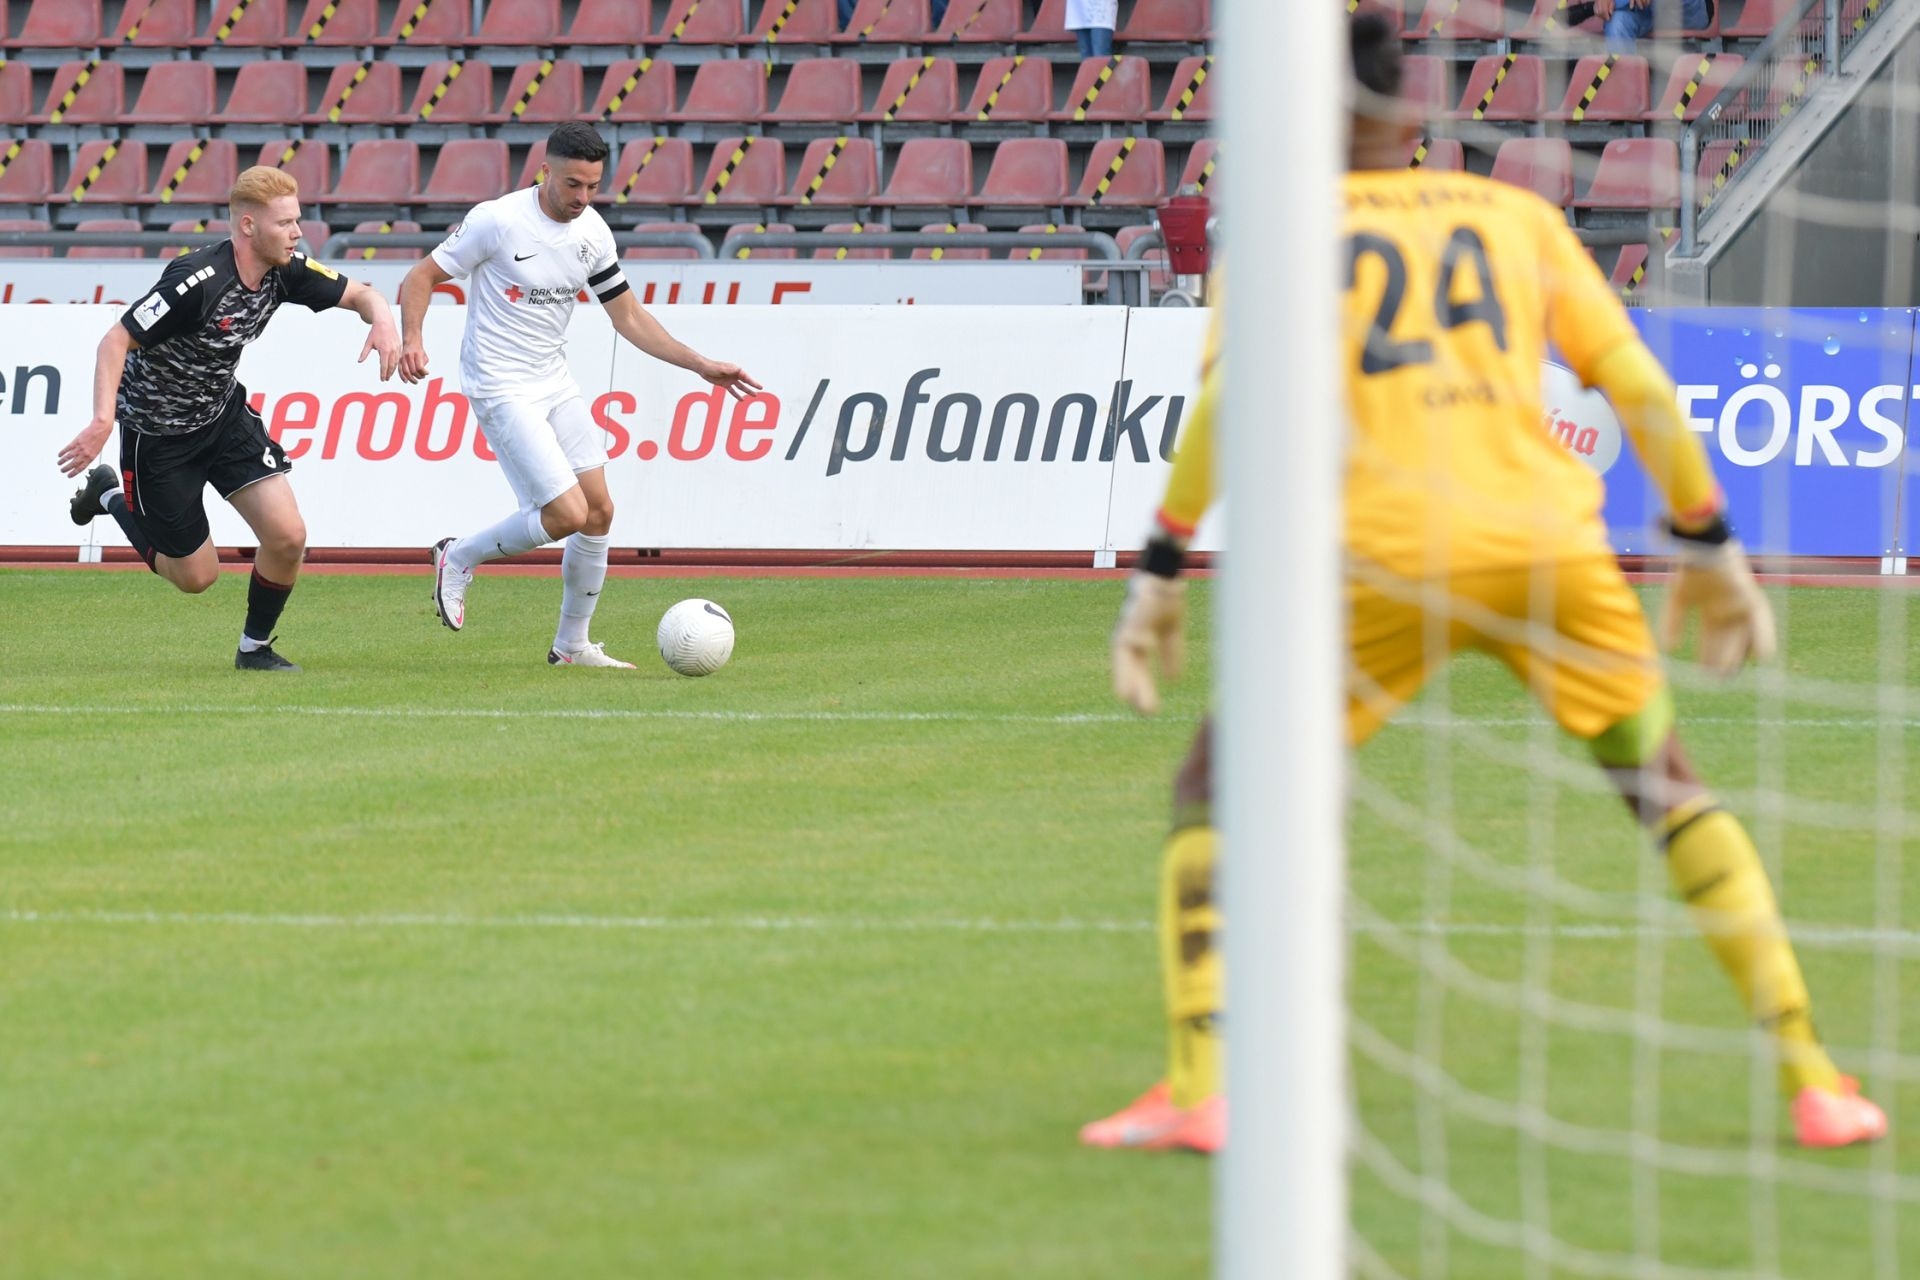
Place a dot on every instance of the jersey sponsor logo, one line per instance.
(515, 293)
(541, 296)
(321, 269)
(148, 313)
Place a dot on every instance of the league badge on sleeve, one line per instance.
(148, 313)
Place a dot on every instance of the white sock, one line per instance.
(248, 644)
(583, 571)
(521, 531)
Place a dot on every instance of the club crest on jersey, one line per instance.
(586, 254)
(148, 313)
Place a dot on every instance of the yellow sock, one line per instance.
(1191, 964)
(1717, 872)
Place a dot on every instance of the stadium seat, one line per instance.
(607, 22)
(651, 171)
(819, 91)
(468, 96)
(1108, 89)
(1629, 265)
(1459, 20)
(197, 233)
(930, 173)
(310, 163)
(1202, 167)
(262, 25)
(441, 24)
(101, 99)
(698, 22)
(744, 171)
(121, 176)
(536, 160)
(1190, 95)
(267, 93)
(1543, 166)
(1138, 182)
(467, 171)
(1426, 84)
(378, 171)
(676, 253)
(811, 22)
(937, 254)
(1758, 18)
(887, 22)
(1635, 173)
(1549, 21)
(847, 253)
(370, 253)
(1017, 90)
(836, 172)
(107, 250)
(1444, 155)
(205, 180)
(1781, 93)
(1513, 87)
(178, 92)
(1715, 157)
(1621, 96)
(155, 23)
(316, 234)
(1046, 255)
(1181, 21)
(16, 93)
(58, 24)
(1158, 280)
(916, 91)
(628, 94)
(28, 179)
(758, 228)
(556, 98)
(1695, 81)
(1026, 173)
(1049, 25)
(979, 22)
(23, 250)
(731, 91)
(351, 22)
(374, 98)
(519, 22)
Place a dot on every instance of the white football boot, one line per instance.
(449, 587)
(594, 655)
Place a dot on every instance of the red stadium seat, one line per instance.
(1014, 90)
(1758, 18)
(373, 100)
(59, 24)
(1716, 157)
(519, 22)
(181, 179)
(651, 171)
(819, 90)
(916, 91)
(1549, 20)
(758, 228)
(938, 254)
(108, 250)
(379, 171)
(888, 22)
(1108, 89)
(22, 250)
(310, 163)
(811, 22)
(730, 91)
(1026, 173)
(213, 229)
(16, 93)
(261, 25)
(744, 171)
(1184, 21)
(1459, 20)
(174, 93)
(1202, 167)
(352, 22)
(648, 98)
(607, 22)
(1543, 166)
(847, 253)
(1049, 25)
(1695, 81)
(1046, 255)
(1513, 87)
(1190, 95)
(536, 161)
(1635, 173)
(316, 234)
(1780, 95)
(674, 254)
(28, 178)
(1444, 155)
(1426, 84)
(554, 98)
(1160, 279)
(100, 99)
(700, 22)
(267, 93)
(836, 171)
(468, 96)
(441, 24)
(1620, 96)
(150, 23)
(930, 173)
(468, 171)
(371, 253)
(1134, 171)
(121, 175)
(1629, 269)
(979, 22)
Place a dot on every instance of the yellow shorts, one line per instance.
(1573, 632)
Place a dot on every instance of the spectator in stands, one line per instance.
(937, 10)
(1092, 23)
(1628, 21)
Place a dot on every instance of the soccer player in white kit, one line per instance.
(530, 255)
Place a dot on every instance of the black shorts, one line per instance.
(163, 476)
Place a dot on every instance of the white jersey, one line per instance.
(528, 271)
(1092, 13)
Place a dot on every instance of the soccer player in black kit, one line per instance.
(166, 371)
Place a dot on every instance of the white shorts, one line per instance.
(543, 443)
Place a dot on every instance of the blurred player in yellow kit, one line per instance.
(1468, 526)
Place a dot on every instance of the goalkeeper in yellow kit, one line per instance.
(1468, 526)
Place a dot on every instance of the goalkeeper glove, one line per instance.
(1711, 576)
(1152, 625)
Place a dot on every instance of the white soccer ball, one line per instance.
(696, 637)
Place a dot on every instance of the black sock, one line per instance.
(265, 600)
(116, 504)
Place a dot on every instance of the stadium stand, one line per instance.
(310, 165)
(1511, 87)
(938, 254)
(1117, 88)
(196, 171)
(794, 22)
(513, 23)
(979, 22)
(58, 26)
(1123, 173)
(261, 24)
(380, 171)
(744, 171)
(16, 93)
(468, 171)
(887, 22)
(373, 253)
(729, 92)
(542, 92)
(818, 91)
(842, 172)
(847, 253)
(366, 93)
(1543, 166)
(105, 173)
(651, 173)
(924, 90)
(1189, 94)
(108, 250)
(91, 93)
(267, 93)
(930, 173)
(1621, 94)
(1635, 174)
(175, 93)
(165, 24)
(21, 250)
(1027, 173)
(1695, 81)
(1016, 90)
(634, 90)
(606, 22)
(694, 22)
(750, 229)
(1049, 25)
(662, 253)
(452, 93)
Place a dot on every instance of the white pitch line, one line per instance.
(574, 713)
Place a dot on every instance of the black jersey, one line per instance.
(191, 329)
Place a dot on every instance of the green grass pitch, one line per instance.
(435, 961)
